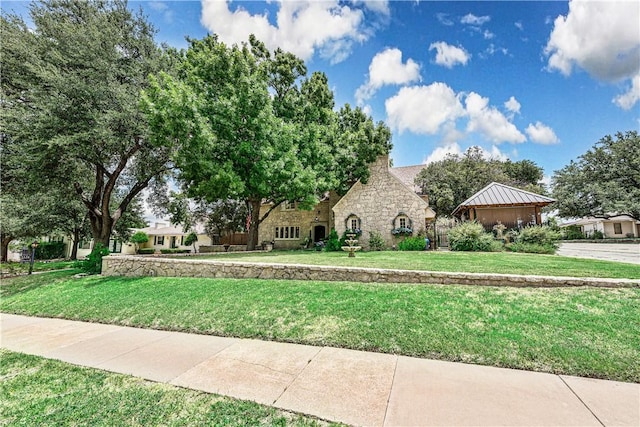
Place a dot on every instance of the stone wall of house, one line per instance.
(319, 216)
(136, 266)
(378, 203)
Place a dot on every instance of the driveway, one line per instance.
(622, 252)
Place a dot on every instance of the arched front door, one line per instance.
(319, 233)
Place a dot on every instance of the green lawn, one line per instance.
(469, 262)
(576, 331)
(12, 268)
(43, 392)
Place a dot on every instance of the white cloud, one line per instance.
(492, 49)
(494, 154)
(519, 25)
(378, 6)
(440, 153)
(471, 19)
(386, 68)
(302, 27)
(448, 55)
(541, 133)
(600, 37)
(443, 18)
(628, 99)
(513, 106)
(488, 35)
(490, 122)
(423, 109)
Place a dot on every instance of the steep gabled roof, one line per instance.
(407, 174)
(496, 194)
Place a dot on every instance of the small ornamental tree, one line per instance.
(191, 239)
(140, 237)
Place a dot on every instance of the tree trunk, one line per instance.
(4, 246)
(252, 238)
(76, 241)
(101, 228)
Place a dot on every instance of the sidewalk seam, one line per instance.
(393, 380)
(295, 377)
(581, 401)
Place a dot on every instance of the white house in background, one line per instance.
(617, 226)
(166, 236)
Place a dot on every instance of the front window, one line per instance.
(288, 206)
(353, 224)
(403, 222)
(158, 240)
(617, 228)
(287, 232)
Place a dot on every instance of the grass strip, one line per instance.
(467, 262)
(590, 332)
(44, 392)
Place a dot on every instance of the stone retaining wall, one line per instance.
(165, 267)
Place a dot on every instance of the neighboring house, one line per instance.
(164, 236)
(388, 201)
(84, 247)
(512, 207)
(615, 226)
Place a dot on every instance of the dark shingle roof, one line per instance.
(496, 194)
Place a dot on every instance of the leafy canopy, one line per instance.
(248, 125)
(454, 179)
(602, 182)
(71, 92)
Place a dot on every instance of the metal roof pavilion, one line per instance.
(496, 194)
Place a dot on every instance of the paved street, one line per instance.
(622, 252)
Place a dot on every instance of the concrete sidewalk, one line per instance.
(353, 387)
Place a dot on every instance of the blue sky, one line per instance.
(523, 80)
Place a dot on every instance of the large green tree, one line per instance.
(249, 125)
(454, 179)
(602, 182)
(70, 103)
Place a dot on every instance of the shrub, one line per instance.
(376, 242)
(573, 232)
(49, 250)
(191, 239)
(538, 235)
(138, 238)
(146, 251)
(470, 236)
(597, 235)
(532, 248)
(333, 242)
(412, 244)
(175, 251)
(93, 263)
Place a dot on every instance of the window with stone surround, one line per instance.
(353, 224)
(402, 221)
(288, 206)
(287, 232)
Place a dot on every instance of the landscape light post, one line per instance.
(34, 245)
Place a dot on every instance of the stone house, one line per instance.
(388, 201)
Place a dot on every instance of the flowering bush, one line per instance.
(402, 231)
